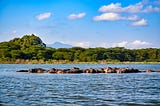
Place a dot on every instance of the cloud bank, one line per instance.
(131, 45)
(114, 11)
(136, 8)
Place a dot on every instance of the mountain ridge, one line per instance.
(59, 45)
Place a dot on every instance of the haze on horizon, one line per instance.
(84, 23)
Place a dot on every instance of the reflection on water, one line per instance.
(78, 89)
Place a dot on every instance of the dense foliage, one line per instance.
(31, 47)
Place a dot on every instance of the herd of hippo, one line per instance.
(75, 70)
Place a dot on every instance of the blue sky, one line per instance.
(85, 23)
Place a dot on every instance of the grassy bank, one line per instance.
(21, 61)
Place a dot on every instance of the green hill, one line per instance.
(31, 48)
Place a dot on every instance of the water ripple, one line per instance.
(78, 89)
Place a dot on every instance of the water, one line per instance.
(24, 89)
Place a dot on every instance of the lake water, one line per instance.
(24, 89)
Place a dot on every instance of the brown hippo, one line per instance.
(37, 70)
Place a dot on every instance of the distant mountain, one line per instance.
(59, 45)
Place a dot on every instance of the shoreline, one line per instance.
(69, 62)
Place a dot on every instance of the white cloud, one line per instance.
(141, 22)
(138, 7)
(108, 45)
(120, 44)
(114, 17)
(43, 16)
(102, 44)
(118, 8)
(76, 16)
(151, 9)
(111, 8)
(140, 43)
(83, 44)
(132, 45)
(108, 17)
(133, 8)
(133, 18)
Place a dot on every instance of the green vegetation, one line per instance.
(31, 49)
